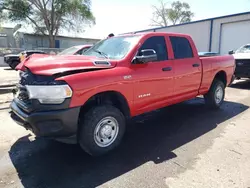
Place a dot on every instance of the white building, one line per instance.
(219, 34)
(33, 41)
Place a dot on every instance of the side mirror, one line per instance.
(145, 56)
(231, 52)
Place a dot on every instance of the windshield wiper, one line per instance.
(102, 53)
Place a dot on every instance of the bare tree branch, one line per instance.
(178, 13)
(28, 17)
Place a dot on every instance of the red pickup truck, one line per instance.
(87, 99)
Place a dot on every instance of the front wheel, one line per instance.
(215, 96)
(101, 130)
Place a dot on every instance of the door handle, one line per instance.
(196, 65)
(167, 69)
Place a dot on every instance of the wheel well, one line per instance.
(109, 97)
(222, 77)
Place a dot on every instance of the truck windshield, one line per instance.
(244, 49)
(113, 48)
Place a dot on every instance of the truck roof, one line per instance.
(154, 33)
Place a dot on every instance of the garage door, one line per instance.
(234, 35)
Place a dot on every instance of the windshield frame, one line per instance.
(95, 49)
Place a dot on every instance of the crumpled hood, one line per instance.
(242, 56)
(52, 64)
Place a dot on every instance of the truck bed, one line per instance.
(214, 64)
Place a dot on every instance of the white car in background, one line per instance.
(242, 61)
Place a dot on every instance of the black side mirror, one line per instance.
(145, 56)
(231, 52)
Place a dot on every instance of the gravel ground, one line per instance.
(185, 145)
(8, 76)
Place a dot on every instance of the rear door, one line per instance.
(187, 66)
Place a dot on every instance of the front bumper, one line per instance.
(57, 124)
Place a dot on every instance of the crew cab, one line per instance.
(87, 99)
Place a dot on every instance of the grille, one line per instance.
(242, 63)
(242, 68)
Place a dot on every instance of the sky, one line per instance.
(121, 16)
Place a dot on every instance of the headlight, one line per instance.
(47, 94)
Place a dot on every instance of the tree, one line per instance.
(178, 13)
(49, 17)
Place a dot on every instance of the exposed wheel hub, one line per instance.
(106, 131)
(218, 94)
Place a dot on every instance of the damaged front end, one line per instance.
(42, 104)
(22, 95)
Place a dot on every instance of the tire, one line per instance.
(232, 80)
(213, 99)
(92, 138)
(13, 64)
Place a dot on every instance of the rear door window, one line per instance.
(181, 47)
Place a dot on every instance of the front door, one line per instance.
(153, 80)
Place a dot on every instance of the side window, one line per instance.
(85, 49)
(181, 47)
(158, 44)
(79, 52)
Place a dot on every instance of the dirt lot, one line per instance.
(185, 145)
(8, 76)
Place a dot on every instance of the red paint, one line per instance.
(165, 87)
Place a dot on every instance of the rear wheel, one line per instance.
(101, 130)
(215, 96)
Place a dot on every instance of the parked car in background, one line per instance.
(75, 50)
(87, 99)
(242, 61)
(14, 59)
